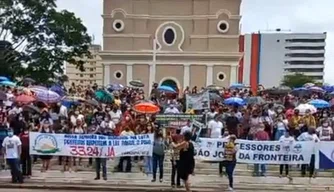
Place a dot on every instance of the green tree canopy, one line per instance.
(41, 39)
(297, 80)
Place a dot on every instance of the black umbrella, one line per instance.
(215, 97)
(31, 108)
(92, 102)
(214, 87)
(3, 96)
(137, 83)
(278, 90)
(29, 80)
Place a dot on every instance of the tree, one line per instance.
(9, 57)
(297, 80)
(42, 39)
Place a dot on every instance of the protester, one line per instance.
(325, 132)
(12, 149)
(281, 126)
(25, 155)
(175, 156)
(45, 128)
(260, 135)
(158, 156)
(230, 161)
(186, 161)
(310, 135)
(101, 162)
(186, 128)
(215, 128)
(286, 140)
(126, 132)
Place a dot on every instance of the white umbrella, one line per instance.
(304, 107)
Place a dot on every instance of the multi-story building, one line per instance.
(178, 43)
(268, 57)
(93, 70)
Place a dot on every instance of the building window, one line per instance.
(81, 75)
(221, 76)
(91, 76)
(223, 26)
(81, 81)
(305, 40)
(91, 69)
(118, 25)
(169, 36)
(118, 74)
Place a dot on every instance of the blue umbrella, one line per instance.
(237, 86)
(3, 78)
(234, 101)
(69, 104)
(328, 88)
(319, 103)
(8, 83)
(58, 89)
(166, 89)
(300, 91)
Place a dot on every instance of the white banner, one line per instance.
(274, 152)
(89, 145)
(259, 152)
(208, 149)
(198, 101)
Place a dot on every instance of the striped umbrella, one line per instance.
(47, 96)
(316, 89)
(37, 88)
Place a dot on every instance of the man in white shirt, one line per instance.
(215, 128)
(115, 115)
(212, 113)
(186, 128)
(10, 99)
(108, 125)
(171, 110)
(12, 152)
(63, 111)
(309, 136)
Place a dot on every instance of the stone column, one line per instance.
(129, 73)
(209, 74)
(233, 74)
(152, 76)
(106, 74)
(186, 75)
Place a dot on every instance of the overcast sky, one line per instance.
(294, 15)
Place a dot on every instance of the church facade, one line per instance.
(178, 43)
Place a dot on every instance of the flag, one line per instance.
(325, 155)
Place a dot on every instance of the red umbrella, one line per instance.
(146, 107)
(25, 99)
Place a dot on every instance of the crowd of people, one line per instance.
(268, 117)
